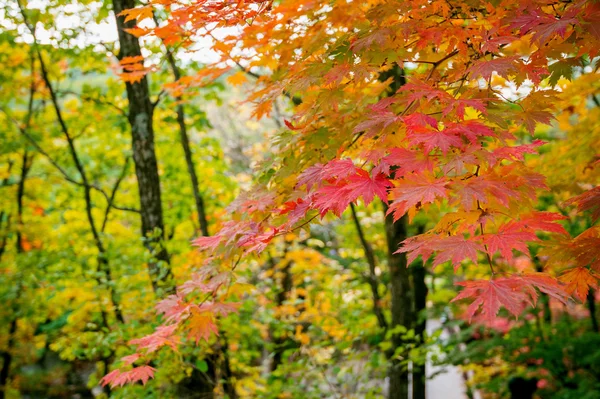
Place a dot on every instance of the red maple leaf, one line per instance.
(517, 152)
(545, 221)
(172, 307)
(409, 161)
(453, 248)
(484, 68)
(508, 237)
(546, 284)
(490, 295)
(119, 378)
(163, 335)
(206, 243)
(332, 198)
(416, 190)
(362, 184)
(431, 139)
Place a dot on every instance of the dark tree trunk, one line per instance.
(402, 306)
(591, 303)
(544, 298)
(420, 290)
(146, 168)
(226, 374)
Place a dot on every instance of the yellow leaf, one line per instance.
(238, 78)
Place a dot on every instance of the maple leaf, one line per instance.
(546, 284)
(409, 161)
(111, 378)
(129, 360)
(588, 201)
(508, 237)
(332, 198)
(452, 248)
(432, 139)
(471, 130)
(312, 175)
(419, 90)
(579, 280)
(517, 152)
(545, 221)
(172, 307)
(335, 169)
(478, 188)
(461, 104)
(362, 184)
(485, 68)
(455, 249)
(162, 336)
(376, 122)
(418, 120)
(139, 13)
(340, 168)
(550, 27)
(119, 378)
(222, 308)
(418, 190)
(296, 210)
(530, 117)
(141, 373)
(492, 294)
(201, 326)
(374, 39)
(207, 242)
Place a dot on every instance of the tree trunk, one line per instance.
(420, 291)
(591, 303)
(402, 306)
(146, 169)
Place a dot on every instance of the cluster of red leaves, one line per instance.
(180, 315)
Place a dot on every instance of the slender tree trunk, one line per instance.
(283, 295)
(185, 143)
(146, 168)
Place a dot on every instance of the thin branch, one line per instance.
(95, 100)
(372, 279)
(113, 193)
